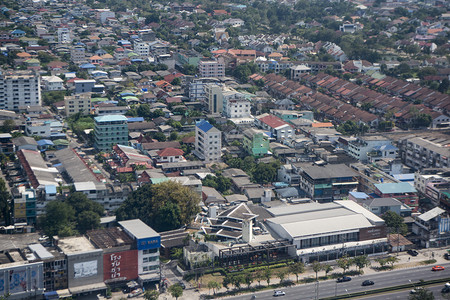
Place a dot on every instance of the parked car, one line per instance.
(437, 268)
(42, 238)
(181, 283)
(278, 293)
(368, 282)
(415, 290)
(135, 293)
(344, 279)
(413, 252)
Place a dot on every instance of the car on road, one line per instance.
(42, 238)
(437, 268)
(416, 290)
(413, 252)
(183, 286)
(344, 279)
(368, 282)
(445, 290)
(278, 293)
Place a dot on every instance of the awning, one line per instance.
(346, 246)
(149, 277)
(88, 288)
(64, 293)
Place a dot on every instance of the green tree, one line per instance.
(147, 202)
(381, 261)
(344, 263)
(395, 223)
(361, 262)
(248, 278)
(282, 274)
(176, 291)
(5, 198)
(88, 220)
(159, 136)
(317, 267)
(297, 268)
(327, 268)
(8, 126)
(226, 281)
(237, 280)
(151, 295)
(57, 215)
(392, 260)
(267, 275)
(259, 276)
(422, 294)
(214, 285)
(265, 173)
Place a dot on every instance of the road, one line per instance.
(330, 288)
(436, 289)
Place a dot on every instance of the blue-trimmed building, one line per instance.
(208, 142)
(110, 130)
(148, 242)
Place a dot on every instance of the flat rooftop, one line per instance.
(138, 229)
(75, 244)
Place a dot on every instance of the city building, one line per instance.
(278, 128)
(24, 206)
(64, 35)
(6, 144)
(432, 229)
(402, 191)
(212, 68)
(87, 86)
(237, 108)
(78, 103)
(432, 151)
(255, 142)
(322, 232)
(78, 54)
(52, 83)
(44, 128)
(19, 88)
(326, 183)
(362, 146)
(141, 48)
(208, 142)
(433, 184)
(147, 242)
(110, 130)
(214, 97)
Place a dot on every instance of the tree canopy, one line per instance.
(164, 206)
(395, 223)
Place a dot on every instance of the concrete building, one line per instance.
(19, 88)
(432, 229)
(322, 232)
(279, 129)
(52, 83)
(208, 142)
(64, 35)
(237, 108)
(141, 48)
(255, 142)
(84, 265)
(87, 86)
(326, 183)
(110, 130)
(78, 54)
(44, 128)
(147, 242)
(78, 103)
(214, 97)
(212, 68)
(425, 152)
(402, 191)
(362, 146)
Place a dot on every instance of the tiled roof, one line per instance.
(170, 152)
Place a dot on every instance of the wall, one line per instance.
(85, 268)
(22, 281)
(122, 265)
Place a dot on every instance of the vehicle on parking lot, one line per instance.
(368, 282)
(344, 279)
(437, 268)
(413, 252)
(42, 238)
(278, 293)
(135, 293)
(181, 283)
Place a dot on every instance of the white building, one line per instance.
(46, 128)
(19, 88)
(78, 54)
(237, 109)
(362, 146)
(279, 129)
(141, 48)
(64, 35)
(104, 14)
(52, 83)
(208, 142)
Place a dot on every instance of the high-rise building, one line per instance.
(110, 130)
(19, 88)
(212, 68)
(208, 142)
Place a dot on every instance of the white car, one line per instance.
(278, 293)
(43, 238)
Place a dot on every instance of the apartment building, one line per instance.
(141, 48)
(362, 147)
(425, 152)
(212, 68)
(19, 88)
(78, 103)
(110, 130)
(208, 142)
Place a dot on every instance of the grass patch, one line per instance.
(428, 262)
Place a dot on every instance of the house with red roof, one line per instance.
(278, 128)
(169, 155)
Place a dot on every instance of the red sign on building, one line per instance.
(120, 266)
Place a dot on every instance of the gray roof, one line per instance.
(384, 202)
(24, 140)
(431, 214)
(326, 171)
(138, 229)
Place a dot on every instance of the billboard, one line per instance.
(118, 266)
(149, 243)
(85, 269)
(372, 233)
(21, 279)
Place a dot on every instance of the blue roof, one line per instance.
(204, 126)
(127, 94)
(18, 31)
(137, 60)
(395, 188)
(45, 143)
(110, 118)
(404, 177)
(50, 189)
(137, 119)
(359, 195)
(88, 66)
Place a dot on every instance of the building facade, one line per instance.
(212, 68)
(79, 103)
(110, 130)
(208, 142)
(19, 88)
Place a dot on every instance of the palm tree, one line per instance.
(267, 275)
(317, 267)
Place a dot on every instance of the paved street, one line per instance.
(402, 295)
